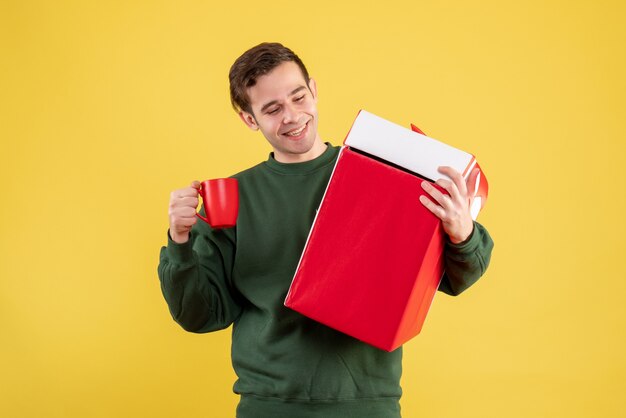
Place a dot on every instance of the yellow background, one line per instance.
(105, 107)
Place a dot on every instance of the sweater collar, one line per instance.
(304, 167)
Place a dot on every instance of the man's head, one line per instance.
(254, 63)
(271, 90)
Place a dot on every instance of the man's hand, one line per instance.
(182, 212)
(452, 209)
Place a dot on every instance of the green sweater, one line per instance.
(287, 365)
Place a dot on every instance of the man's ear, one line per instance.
(249, 120)
(313, 88)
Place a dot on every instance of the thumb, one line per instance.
(471, 183)
(195, 184)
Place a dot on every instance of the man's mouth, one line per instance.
(296, 132)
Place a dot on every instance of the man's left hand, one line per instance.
(452, 209)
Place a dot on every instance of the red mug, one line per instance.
(220, 198)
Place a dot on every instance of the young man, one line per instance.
(288, 365)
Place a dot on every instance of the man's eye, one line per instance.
(273, 111)
(299, 99)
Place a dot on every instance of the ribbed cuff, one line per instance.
(179, 253)
(466, 247)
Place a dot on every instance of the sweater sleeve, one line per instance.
(196, 280)
(466, 262)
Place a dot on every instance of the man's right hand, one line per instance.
(182, 212)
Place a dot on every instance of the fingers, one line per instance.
(184, 211)
(472, 182)
(450, 187)
(437, 210)
(186, 192)
(182, 204)
(188, 201)
(182, 208)
(179, 211)
(453, 210)
(186, 221)
(456, 177)
(439, 197)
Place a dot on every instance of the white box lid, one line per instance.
(408, 149)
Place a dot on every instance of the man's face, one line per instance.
(284, 109)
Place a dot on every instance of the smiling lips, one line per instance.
(295, 134)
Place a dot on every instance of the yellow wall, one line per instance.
(105, 107)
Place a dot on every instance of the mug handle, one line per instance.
(197, 213)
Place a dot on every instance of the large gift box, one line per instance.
(374, 256)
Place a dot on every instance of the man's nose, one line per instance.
(290, 114)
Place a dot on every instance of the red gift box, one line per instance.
(374, 256)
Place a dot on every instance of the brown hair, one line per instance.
(252, 64)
